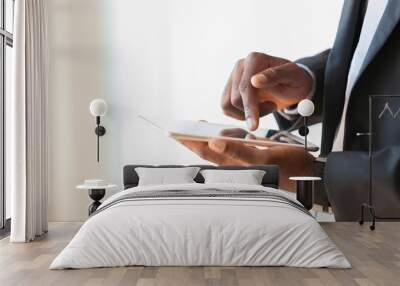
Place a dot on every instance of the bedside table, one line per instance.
(305, 190)
(96, 193)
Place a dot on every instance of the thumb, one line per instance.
(273, 76)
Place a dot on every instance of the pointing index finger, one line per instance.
(249, 93)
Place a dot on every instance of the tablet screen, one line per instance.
(201, 130)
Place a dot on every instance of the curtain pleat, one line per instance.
(29, 158)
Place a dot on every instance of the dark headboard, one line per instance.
(271, 177)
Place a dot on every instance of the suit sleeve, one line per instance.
(316, 64)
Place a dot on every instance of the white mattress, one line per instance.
(200, 231)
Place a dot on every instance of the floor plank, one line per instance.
(375, 257)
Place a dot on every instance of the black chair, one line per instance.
(347, 178)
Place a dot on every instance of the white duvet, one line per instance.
(199, 231)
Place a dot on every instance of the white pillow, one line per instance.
(248, 177)
(164, 176)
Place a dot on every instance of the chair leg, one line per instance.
(361, 222)
(372, 226)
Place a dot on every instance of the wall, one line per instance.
(159, 58)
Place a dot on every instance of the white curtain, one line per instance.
(28, 121)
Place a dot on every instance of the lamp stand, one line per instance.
(100, 131)
(305, 133)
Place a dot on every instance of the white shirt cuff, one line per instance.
(312, 75)
(292, 112)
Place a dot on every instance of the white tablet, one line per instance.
(204, 131)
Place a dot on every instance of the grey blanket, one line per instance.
(207, 194)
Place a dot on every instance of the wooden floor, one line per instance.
(375, 257)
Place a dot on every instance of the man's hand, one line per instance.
(261, 84)
(291, 160)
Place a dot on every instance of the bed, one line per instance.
(199, 224)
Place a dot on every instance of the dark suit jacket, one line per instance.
(379, 75)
